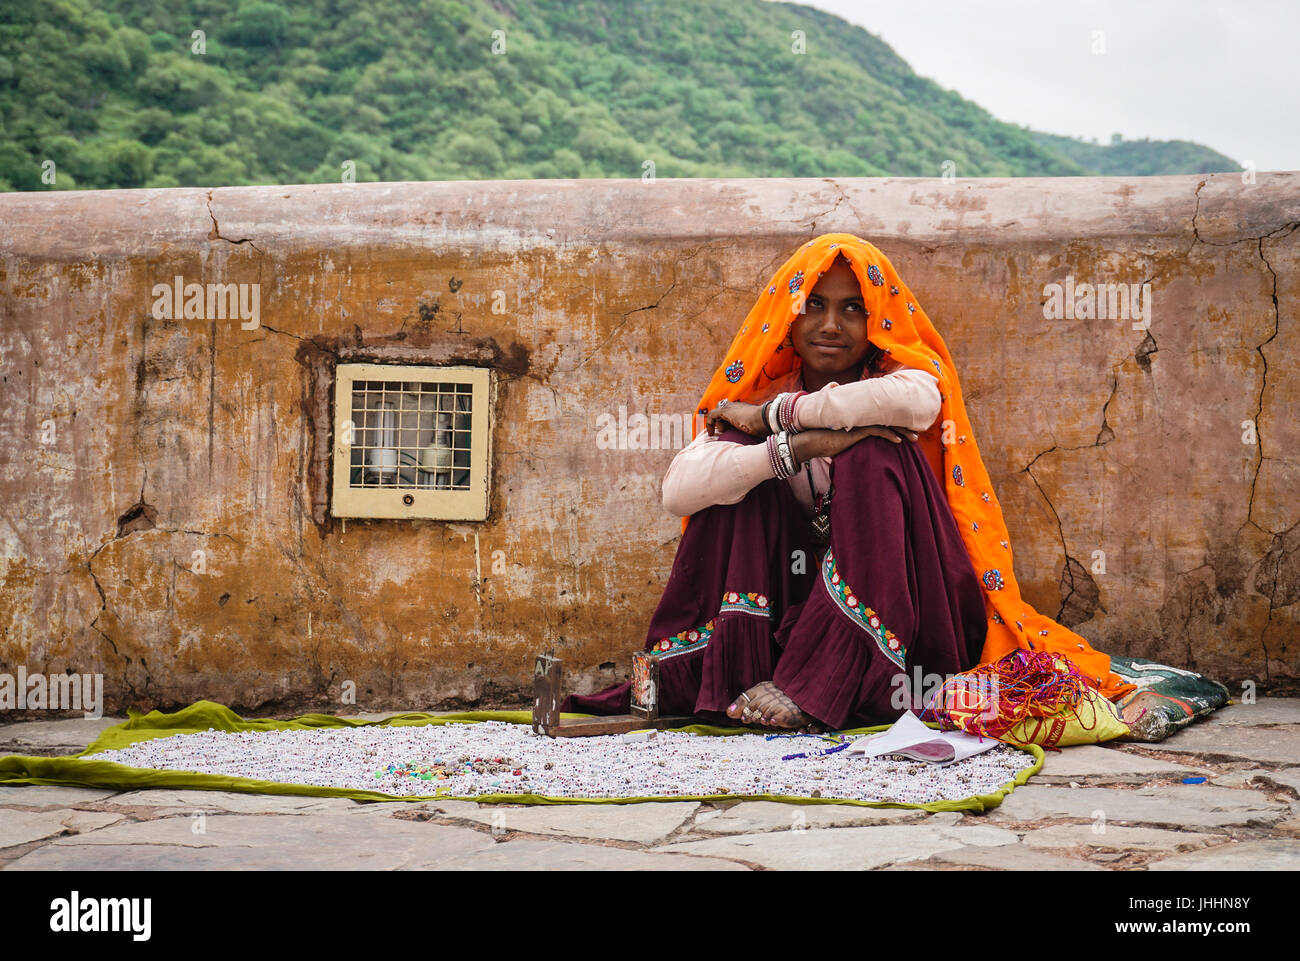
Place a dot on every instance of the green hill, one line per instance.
(124, 93)
(1139, 157)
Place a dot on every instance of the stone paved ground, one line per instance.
(1092, 808)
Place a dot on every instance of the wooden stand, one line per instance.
(548, 678)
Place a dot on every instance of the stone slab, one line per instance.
(433, 809)
(751, 817)
(23, 827)
(1240, 778)
(1114, 838)
(50, 795)
(330, 842)
(184, 802)
(531, 855)
(72, 732)
(1177, 805)
(845, 849)
(1245, 742)
(81, 821)
(1004, 857)
(641, 823)
(1091, 761)
(1262, 855)
(1265, 710)
(1287, 779)
(258, 842)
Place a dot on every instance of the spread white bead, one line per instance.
(673, 764)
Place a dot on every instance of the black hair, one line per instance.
(874, 354)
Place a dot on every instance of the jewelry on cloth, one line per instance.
(839, 740)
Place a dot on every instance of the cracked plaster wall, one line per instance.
(174, 436)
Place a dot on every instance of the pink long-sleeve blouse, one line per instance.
(710, 470)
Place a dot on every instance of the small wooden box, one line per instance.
(548, 681)
(645, 685)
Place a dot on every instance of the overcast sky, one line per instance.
(1223, 75)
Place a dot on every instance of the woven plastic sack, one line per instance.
(1167, 699)
(1094, 721)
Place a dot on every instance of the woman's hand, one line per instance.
(827, 443)
(744, 417)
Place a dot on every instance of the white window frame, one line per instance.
(348, 501)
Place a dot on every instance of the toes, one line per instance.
(777, 717)
(778, 713)
(790, 715)
(768, 703)
(738, 706)
(746, 706)
(759, 708)
(767, 706)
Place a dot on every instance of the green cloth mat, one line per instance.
(205, 715)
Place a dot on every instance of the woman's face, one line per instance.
(830, 337)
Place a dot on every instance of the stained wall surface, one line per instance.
(164, 498)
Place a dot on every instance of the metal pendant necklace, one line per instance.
(821, 519)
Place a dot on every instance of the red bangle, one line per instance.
(785, 413)
(775, 460)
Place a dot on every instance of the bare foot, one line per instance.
(769, 706)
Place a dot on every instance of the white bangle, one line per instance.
(773, 409)
(786, 454)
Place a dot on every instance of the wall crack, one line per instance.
(215, 233)
(1263, 386)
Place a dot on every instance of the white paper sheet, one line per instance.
(909, 730)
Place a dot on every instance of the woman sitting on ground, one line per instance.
(842, 532)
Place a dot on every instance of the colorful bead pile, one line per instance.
(441, 770)
(1026, 684)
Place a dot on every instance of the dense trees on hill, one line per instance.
(131, 93)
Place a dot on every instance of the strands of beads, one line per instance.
(499, 761)
(839, 740)
(1009, 691)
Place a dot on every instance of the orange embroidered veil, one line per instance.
(761, 353)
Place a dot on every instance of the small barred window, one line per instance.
(411, 442)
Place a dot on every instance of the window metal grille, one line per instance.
(411, 442)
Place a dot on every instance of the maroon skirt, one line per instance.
(844, 634)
